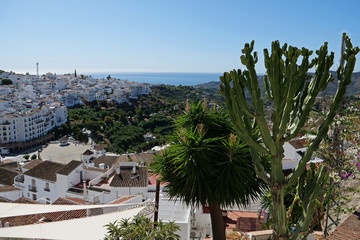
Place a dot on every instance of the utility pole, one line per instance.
(37, 69)
(156, 214)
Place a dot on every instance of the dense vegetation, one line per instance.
(122, 126)
(141, 228)
(6, 81)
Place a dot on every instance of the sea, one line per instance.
(184, 79)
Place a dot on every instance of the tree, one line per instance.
(6, 81)
(33, 157)
(26, 157)
(292, 91)
(206, 164)
(141, 228)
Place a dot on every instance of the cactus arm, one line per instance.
(239, 92)
(291, 77)
(296, 77)
(308, 196)
(344, 76)
(253, 86)
(236, 113)
(317, 84)
(259, 168)
(267, 88)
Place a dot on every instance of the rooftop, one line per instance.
(46, 170)
(32, 164)
(7, 176)
(126, 178)
(68, 168)
(298, 143)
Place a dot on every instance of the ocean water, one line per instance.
(185, 79)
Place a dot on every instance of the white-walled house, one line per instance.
(68, 176)
(129, 179)
(49, 180)
(40, 182)
(293, 152)
(9, 128)
(10, 193)
(87, 156)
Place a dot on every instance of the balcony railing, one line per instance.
(32, 188)
(47, 189)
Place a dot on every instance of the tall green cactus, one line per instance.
(292, 90)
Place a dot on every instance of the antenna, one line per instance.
(37, 69)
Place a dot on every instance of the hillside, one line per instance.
(353, 88)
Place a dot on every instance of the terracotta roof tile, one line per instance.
(107, 160)
(349, 229)
(22, 220)
(46, 170)
(79, 200)
(88, 153)
(126, 178)
(7, 176)
(10, 164)
(68, 168)
(8, 189)
(26, 200)
(143, 158)
(114, 160)
(122, 199)
(154, 177)
(298, 143)
(32, 164)
(65, 215)
(242, 221)
(100, 147)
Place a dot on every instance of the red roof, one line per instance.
(349, 229)
(153, 178)
(122, 199)
(242, 221)
(65, 215)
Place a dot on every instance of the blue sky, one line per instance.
(163, 35)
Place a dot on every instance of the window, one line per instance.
(47, 187)
(34, 197)
(47, 200)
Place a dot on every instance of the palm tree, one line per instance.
(206, 164)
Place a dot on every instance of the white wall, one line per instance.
(90, 174)
(12, 195)
(64, 182)
(40, 186)
(124, 191)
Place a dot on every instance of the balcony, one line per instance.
(47, 189)
(32, 188)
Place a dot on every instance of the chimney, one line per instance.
(117, 169)
(102, 166)
(134, 170)
(84, 191)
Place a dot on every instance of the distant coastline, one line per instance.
(185, 79)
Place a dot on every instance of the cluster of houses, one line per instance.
(95, 179)
(103, 180)
(33, 105)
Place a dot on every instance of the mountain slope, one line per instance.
(352, 89)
